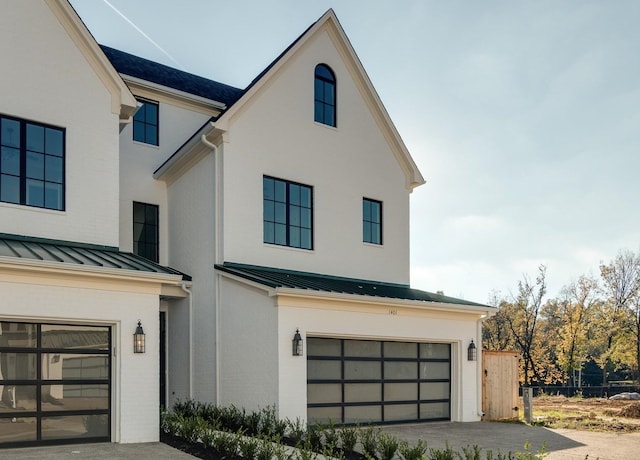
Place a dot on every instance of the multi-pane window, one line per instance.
(145, 231)
(31, 163)
(371, 221)
(145, 123)
(325, 95)
(287, 213)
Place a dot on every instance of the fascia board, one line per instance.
(181, 98)
(261, 287)
(188, 154)
(123, 103)
(384, 302)
(414, 177)
(48, 267)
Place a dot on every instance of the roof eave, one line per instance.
(189, 153)
(50, 267)
(385, 301)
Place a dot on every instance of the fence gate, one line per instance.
(500, 385)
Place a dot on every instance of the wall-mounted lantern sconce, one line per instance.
(138, 339)
(472, 352)
(297, 344)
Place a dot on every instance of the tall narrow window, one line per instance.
(31, 163)
(325, 96)
(287, 213)
(145, 231)
(371, 221)
(145, 123)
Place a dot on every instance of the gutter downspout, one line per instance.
(217, 218)
(479, 362)
(183, 286)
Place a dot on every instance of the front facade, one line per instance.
(286, 203)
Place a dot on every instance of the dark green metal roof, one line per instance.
(277, 277)
(67, 252)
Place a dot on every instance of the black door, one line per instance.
(163, 359)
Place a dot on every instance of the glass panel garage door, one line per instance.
(368, 381)
(55, 383)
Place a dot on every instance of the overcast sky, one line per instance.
(524, 117)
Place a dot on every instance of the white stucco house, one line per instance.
(259, 237)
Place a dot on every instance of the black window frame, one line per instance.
(293, 219)
(36, 164)
(370, 223)
(325, 101)
(143, 228)
(143, 120)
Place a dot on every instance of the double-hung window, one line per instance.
(145, 231)
(371, 221)
(31, 163)
(145, 123)
(324, 95)
(287, 213)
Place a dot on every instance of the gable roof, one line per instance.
(330, 22)
(280, 278)
(123, 102)
(135, 66)
(235, 98)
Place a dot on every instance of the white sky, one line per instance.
(522, 116)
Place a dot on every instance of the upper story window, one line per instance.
(287, 213)
(325, 96)
(145, 231)
(145, 123)
(31, 163)
(371, 221)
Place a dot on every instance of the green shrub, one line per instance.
(444, 454)
(265, 449)
(369, 440)
(248, 447)
(226, 444)
(410, 452)
(349, 438)
(387, 446)
(314, 437)
(297, 431)
(331, 435)
(471, 453)
(252, 423)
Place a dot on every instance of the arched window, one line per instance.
(325, 96)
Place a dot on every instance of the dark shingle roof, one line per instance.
(134, 66)
(276, 278)
(66, 252)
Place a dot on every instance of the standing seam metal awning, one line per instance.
(66, 252)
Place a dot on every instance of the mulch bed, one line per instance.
(198, 450)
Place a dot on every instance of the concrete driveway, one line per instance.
(505, 437)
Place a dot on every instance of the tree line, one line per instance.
(594, 323)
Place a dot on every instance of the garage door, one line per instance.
(55, 383)
(370, 381)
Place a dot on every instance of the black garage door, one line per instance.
(370, 381)
(55, 383)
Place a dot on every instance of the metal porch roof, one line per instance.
(280, 278)
(67, 252)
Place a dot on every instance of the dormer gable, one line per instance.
(123, 102)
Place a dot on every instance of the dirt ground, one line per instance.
(595, 414)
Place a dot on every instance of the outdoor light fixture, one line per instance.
(138, 339)
(297, 344)
(472, 351)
